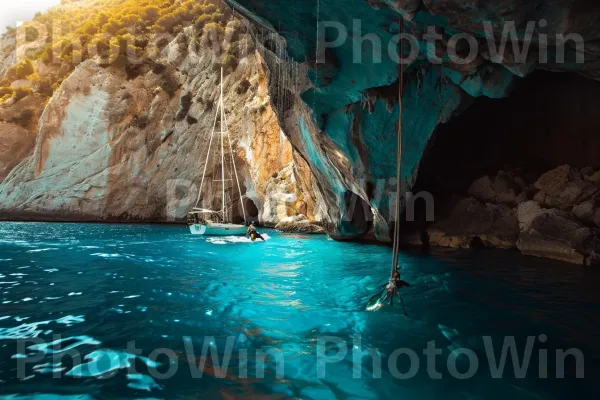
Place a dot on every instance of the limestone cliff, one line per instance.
(112, 146)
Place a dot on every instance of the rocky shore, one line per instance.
(299, 224)
(555, 216)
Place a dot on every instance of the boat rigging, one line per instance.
(206, 221)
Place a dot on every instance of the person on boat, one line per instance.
(253, 234)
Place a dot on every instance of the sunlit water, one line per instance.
(91, 289)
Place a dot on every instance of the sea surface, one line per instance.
(100, 311)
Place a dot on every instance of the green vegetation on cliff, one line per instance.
(120, 33)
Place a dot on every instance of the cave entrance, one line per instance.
(251, 210)
(550, 119)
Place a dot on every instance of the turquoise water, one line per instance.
(74, 295)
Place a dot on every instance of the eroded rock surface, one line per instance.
(114, 148)
(344, 119)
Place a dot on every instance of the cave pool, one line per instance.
(281, 319)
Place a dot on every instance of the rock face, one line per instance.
(17, 142)
(18, 126)
(110, 147)
(344, 120)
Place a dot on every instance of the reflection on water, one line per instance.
(92, 291)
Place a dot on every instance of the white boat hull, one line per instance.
(218, 229)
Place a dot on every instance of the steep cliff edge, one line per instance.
(117, 147)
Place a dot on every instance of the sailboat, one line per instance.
(205, 221)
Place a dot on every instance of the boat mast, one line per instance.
(237, 179)
(223, 208)
(212, 134)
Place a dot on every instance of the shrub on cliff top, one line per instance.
(6, 90)
(20, 70)
(44, 87)
(150, 14)
(91, 31)
(201, 21)
(229, 63)
(232, 31)
(6, 93)
(168, 22)
(212, 35)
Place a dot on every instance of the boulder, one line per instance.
(527, 212)
(573, 193)
(584, 211)
(522, 198)
(595, 177)
(502, 189)
(482, 189)
(587, 172)
(472, 223)
(563, 188)
(506, 188)
(557, 235)
(298, 224)
(552, 183)
(540, 197)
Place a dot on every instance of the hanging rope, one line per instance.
(392, 288)
(398, 158)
